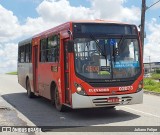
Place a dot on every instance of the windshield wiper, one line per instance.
(120, 42)
(97, 45)
(116, 47)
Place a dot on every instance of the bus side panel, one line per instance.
(24, 71)
(45, 78)
(21, 75)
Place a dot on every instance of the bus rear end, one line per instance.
(105, 65)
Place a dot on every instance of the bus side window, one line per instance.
(19, 54)
(43, 43)
(57, 48)
(22, 54)
(30, 52)
(52, 51)
(27, 53)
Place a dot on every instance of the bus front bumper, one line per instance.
(79, 101)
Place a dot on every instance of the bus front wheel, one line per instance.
(29, 92)
(58, 105)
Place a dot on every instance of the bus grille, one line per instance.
(111, 84)
(104, 101)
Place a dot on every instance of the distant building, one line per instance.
(151, 67)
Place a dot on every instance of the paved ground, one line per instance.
(40, 112)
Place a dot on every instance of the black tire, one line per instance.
(52, 101)
(52, 94)
(58, 105)
(30, 94)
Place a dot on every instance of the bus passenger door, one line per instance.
(35, 68)
(66, 74)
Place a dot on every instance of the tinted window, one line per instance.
(24, 53)
(107, 58)
(43, 44)
(105, 29)
(50, 49)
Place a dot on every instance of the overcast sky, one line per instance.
(20, 19)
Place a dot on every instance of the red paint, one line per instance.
(42, 76)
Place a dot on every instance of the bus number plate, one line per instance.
(112, 100)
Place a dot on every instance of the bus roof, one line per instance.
(100, 21)
(67, 24)
(26, 41)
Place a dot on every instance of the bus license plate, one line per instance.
(111, 100)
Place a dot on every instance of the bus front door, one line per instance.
(67, 74)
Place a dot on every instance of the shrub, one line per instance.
(158, 71)
(151, 85)
(155, 76)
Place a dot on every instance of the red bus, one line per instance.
(83, 64)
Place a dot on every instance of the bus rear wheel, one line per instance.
(29, 92)
(58, 104)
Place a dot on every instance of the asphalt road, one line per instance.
(40, 112)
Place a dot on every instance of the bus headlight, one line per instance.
(140, 86)
(80, 89)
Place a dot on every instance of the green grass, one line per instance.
(151, 85)
(12, 73)
(155, 76)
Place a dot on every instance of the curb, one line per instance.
(13, 117)
(4, 104)
(151, 92)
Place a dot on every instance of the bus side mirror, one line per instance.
(70, 46)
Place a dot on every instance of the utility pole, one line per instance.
(150, 63)
(143, 23)
(143, 12)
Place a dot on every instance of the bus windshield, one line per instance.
(107, 58)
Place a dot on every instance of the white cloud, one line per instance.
(110, 10)
(152, 47)
(9, 25)
(54, 12)
(61, 11)
(8, 57)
